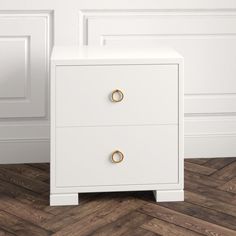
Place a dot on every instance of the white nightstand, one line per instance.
(116, 122)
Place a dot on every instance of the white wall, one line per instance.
(204, 31)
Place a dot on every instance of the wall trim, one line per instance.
(212, 136)
(25, 151)
(34, 107)
(86, 14)
(210, 146)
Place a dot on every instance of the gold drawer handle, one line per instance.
(119, 154)
(117, 96)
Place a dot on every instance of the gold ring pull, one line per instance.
(117, 96)
(117, 157)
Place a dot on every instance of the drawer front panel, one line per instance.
(83, 95)
(83, 155)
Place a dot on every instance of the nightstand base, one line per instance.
(64, 199)
(168, 195)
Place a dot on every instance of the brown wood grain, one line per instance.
(23, 211)
(188, 222)
(211, 203)
(218, 163)
(18, 226)
(202, 179)
(199, 161)
(229, 186)
(23, 195)
(167, 229)
(206, 214)
(210, 192)
(209, 207)
(110, 213)
(23, 181)
(124, 224)
(140, 232)
(28, 171)
(226, 173)
(203, 170)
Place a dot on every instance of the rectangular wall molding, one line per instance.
(25, 45)
(14, 87)
(26, 41)
(25, 151)
(207, 40)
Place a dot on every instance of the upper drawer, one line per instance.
(84, 95)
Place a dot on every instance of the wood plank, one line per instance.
(226, 173)
(124, 224)
(6, 233)
(23, 195)
(47, 181)
(218, 163)
(19, 227)
(76, 213)
(210, 192)
(167, 229)
(28, 171)
(188, 222)
(25, 182)
(57, 210)
(41, 166)
(98, 219)
(210, 203)
(203, 170)
(199, 161)
(229, 186)
(23, 211)
(203, 213)
(140, 232)
(202, 179)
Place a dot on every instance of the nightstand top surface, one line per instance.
(111, 55)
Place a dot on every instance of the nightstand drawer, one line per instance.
(147, 155)
(116, 95)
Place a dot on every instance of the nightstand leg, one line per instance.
(64, 199)
(168, 195)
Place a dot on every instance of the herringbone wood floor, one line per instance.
(209, 207)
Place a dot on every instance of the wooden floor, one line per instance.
(209, 207)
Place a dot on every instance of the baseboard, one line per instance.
(24, 151)
(210, 146)
(24, 142)
(210, 137)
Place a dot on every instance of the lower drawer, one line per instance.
(84, 155)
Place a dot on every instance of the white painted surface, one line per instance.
(150, 156)
(13, 81)
(83, 95)
(64, 199)
(85, 131)
(170, 196)
(24, 45)
(114, 55)
(202, 30)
